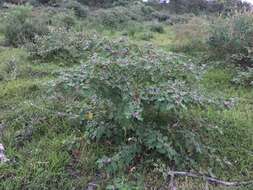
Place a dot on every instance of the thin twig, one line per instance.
(211, 180)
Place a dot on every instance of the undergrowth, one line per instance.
(114, 98)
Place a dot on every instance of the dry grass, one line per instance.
(191, 35)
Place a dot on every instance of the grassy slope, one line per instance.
(48, 151)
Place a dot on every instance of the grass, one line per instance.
(163, 40)
(50, 151)
(236, 123)
(39, 142)
(47, 151)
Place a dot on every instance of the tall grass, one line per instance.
(191, 36)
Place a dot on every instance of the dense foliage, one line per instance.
(136, 102)
(61, 44)
(198, 6)
(244, 78)
(79, 9)
(106, 3)
(119, 16)
(21, 27)
(232, 37)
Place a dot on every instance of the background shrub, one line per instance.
(106, 3)
(21, 27)
(202, 6)
(244, 78)
(61, 44)
(50, 2)
(161, 16)
(233, 38)
(156, 27)
(115, 17)
(118, 17)
(79, 9)
(180, 19)
(63, 19)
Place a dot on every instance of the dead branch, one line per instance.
(210, 180)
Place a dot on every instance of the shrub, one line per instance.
(106, 3)
(233, 38)
(50, 2)
(244, 78)
(147, 10)
(156, 27)
(10, 70)
(120, 16)
(114, 17)
(200, 6)
(134, 97)
(21, 27)
(60, 44)
(161, 17)
(79, 9)
(122, 2)
(63, 19)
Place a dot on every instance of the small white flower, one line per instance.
(3, 158)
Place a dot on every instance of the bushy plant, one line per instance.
(9, 70)
(120, 16)
(79, 9)
(50, 2)
(244, 78)
(63, 19)
(160, 16)
(114, 17)
(200, 6)
(157, 27)
(134, 97)
(61, 44)
(122, 2)
(180, 19)
(233, 38)
(21, 27)
(142, 9)
(106, 3)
